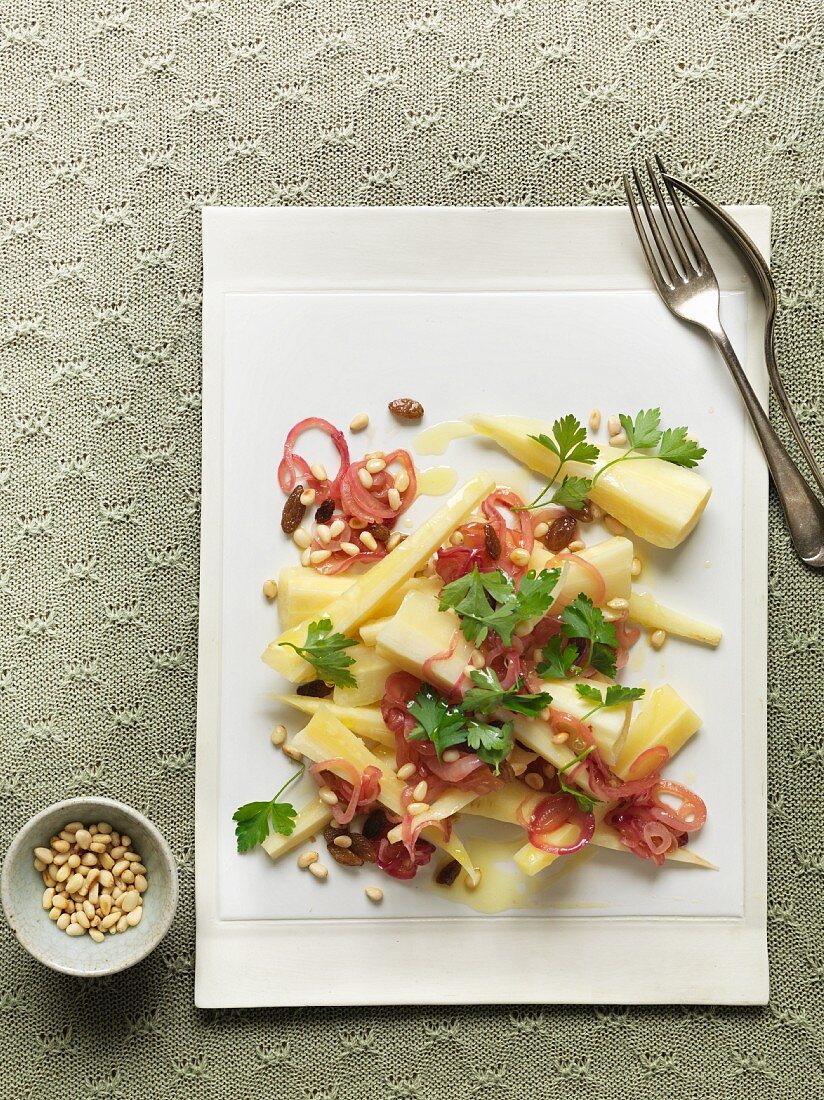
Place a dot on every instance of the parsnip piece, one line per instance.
(503, 804)
(303, 593)
(537, 735)
(418, 632)
(325, 738)
(609, 726)
(311, 819)
(613, 560)
(369, 631)
(364, 721)
(657, 500)
(664, 719)
(607, 838)
(364, 598)
(531, 860)
(645, 610)
(370, 670)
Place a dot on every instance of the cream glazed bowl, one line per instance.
(22, 889)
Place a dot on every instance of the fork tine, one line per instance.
(666, 259)
(652, 263)
(685, 261)
(702, 262)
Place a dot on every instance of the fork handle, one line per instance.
(802, 509)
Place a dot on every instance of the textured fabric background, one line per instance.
(118, 121)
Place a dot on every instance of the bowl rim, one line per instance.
(19, 842)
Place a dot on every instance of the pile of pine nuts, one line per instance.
(94, 882)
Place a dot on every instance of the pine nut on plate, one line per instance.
(77, 904)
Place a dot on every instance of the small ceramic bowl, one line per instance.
(22, 888)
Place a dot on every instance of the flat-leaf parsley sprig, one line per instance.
(253, 820)
(616, 696)
(469, 596)
(568, 443)
(445, 726)
(326, 652)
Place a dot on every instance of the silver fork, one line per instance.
(689, 289)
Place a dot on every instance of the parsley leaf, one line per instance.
(569, 443)
(469, 597)
(644, 431)
(675, 447)
(572, 492)
(437, 722)
(253, 819)
(616, 696)
(558, 661)
(325, 652)
(581, 619)
(487, 695)
(493, 744)
(586, 803)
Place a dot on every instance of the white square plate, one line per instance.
(535, 312)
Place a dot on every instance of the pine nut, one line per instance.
(60, 901)
(94, 893)
(117, 852)
(301, 538)
(138, 869)
(83, 838)
(318, 870)
(619, 440)
(342, 842)
(613, 425)
(306, 859)
(470, 885)
(394, 498)
(374, 893)
(116, 894)
(614, 526)
(62, 858)
(75, 930)
(450, 756)
(96, 935)
(618, 604)
(133, 918)
(417, 808)
(48, 896)
(657, 638)
(595, 420)
(365, 478)
(307, 497)
(129, 901)
(106, 879)
(141, 883)
(356, 523)
(575, 546)
(337, 528)
(110, 920)
(123, 923)
(637, 566)
(45, 855)
(540, 529)
(406, 771)
(395, 539)
(419, 793)
(560, 738)
(456, 538)
(304, 558)
(519, 556)
(97, 847)
(105, 904)
(74, 883)
(327, 795)
(278, 736)
(63, 921)
(595, 510)
(395, 835)
(270, 589)
(375, 465)
(132, 857)
(318, 556)
(106, 861)
(359, 422)
(293, 754)
(61, 845)
(402, 481)
(39, 865)
(120, 867)
(82, 919)
(74, 860)
(88, 909)
(368, 540)
(127, 877)
(350, 548)
(535, 781)
(72, 827)
(93, 830)
(323, 533)
(62, 873)
(319, 471)
(104, 827)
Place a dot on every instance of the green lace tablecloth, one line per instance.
(118, 121)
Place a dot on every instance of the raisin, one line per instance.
(561, 533)
(584, 513)
(293, 511)
(363, 847)
(317, 689)
(380, 532)
(325, 512)
(492, 542)
(406, 408)
(345, 856)
(376, 825)
(448, 873)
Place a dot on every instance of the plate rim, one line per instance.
(720, 960)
